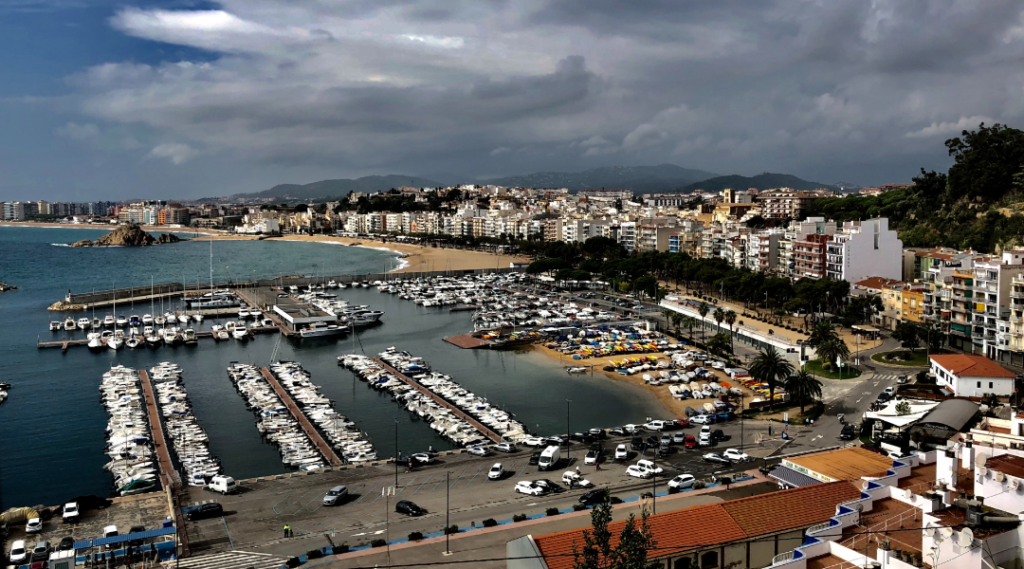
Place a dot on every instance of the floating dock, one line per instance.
(65, 344)
(467, 342)
(311, 432)
(168, 476)
(485, 430)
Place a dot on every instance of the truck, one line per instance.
(222, 484)
(549, 458)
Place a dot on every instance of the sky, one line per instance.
(177, 99)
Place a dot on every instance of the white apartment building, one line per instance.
(763, 251)
(993, 281)
(627, 235)
(863, 249)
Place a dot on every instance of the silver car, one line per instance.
(335, 495)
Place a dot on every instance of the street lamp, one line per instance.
(387, 493)
(567, 430)
(397, 455)
(447, 512)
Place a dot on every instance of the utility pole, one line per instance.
(447, 511)
(567, 431)
(397, 454)
(387, 493)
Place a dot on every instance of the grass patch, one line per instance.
(813, 367)
(916, 359)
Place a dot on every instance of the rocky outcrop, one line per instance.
(5, 287)
(62, 306)
(130, 235)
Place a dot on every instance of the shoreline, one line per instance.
(412, 258)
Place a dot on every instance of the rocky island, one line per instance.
(130, 235)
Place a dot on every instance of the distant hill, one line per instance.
(331, 189)
(764, 181)
(640, 179)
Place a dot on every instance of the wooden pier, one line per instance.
(467, 342)
(314, 435)
(485, 430)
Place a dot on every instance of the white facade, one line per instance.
(972, 385)
(865, 249)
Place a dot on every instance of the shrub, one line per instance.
(673, 490)
(646, 495)
(552, 511)
(616, 500)
(378, 543)
(698, 485)
(578, 507)
(726, 480)
(415, 536)
(490, 522)
(519, 518)
(343, 548)
(314, 554)
(293, 562)
(451, 529)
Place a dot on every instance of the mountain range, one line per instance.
(662, 178)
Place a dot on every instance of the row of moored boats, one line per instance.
(129, 439)
(187, 437)
(340, 432)
(273, 419)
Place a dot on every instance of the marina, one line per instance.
(129, 438)
(187, 436)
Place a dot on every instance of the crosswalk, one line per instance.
(233, 560)
(886, 377)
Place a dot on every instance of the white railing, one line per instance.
(783, 558)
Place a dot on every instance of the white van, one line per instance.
(549, 458)
(222, 484)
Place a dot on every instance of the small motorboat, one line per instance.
(240, 333)
(147, 319)
(56, 325)
(69, 324)
(121, 321)
(84, 324)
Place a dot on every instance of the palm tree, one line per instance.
(831, 350)
(677, 318)
(689, 322)
(719, 344)
(772, 368)
(730, 319)
(803, 387)
(821, 333)
(703, 310)
(718, 315)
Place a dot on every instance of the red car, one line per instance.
(690, 442)
(682, 423)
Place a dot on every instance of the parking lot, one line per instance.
(147, 510)
(255, 517)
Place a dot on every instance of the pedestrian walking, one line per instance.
(287, 531)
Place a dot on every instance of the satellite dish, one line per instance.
(929, 531)
(1000, 476)
(946, 533)
(982, 471)
(981, 459)
(966, 538)
(864, 484)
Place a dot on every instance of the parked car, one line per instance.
(718, 435)
(497, 472)
(572, 479)
(848, 433)
(637, 472)
(705, 439)
(656, 425)
(424, 458)
(505, 447)
(528, 488)
(534, 458)
(335, 495)
(41, 551)
(637, 444)
(621, 452)
(67, 543)
(554, 440)
(18, 554)
(715, 458)
(902, 379)
(407, 508)
(534, 442)
(478, 450)
(679, 438)
(701, 419)
(200, 512)
(591, 457)
(34, 525)
(593, 497)
(650, 467)
(548, 485)
(690, 442)
(618, 431)
(735, 455)
(682, 481)
(598, 434)
(682, 423)
(70, 514)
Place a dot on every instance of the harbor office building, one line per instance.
(966, 375)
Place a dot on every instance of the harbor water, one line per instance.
(51, 427)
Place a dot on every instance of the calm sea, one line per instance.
(52, 426)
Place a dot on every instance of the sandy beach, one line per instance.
(417, 258)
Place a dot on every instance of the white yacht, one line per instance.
(240, 333)
(221, 335)
(84, 323)
(96, 323)
(96, 341)
(189, 337)
(198, 318)
(160, 320)
(69, 324)
(134, 342)
(121, 321)
(317, 329)
(332, 284)
(116, 340)
(171, 318)
(56, 325)
(364, 317)
(108, 321)
(171, 337)
(147, 319)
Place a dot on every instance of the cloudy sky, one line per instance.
(177, 98)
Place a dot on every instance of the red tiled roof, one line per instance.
(966, 365)
(1007, 464)
(712, 524)
(876, 282)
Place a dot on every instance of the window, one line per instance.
(979, 385)
(990, 385)
(709, 560)
(684, 563)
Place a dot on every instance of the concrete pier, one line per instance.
(485, 430)
(64, 344)
(311, 432)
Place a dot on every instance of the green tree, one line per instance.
(831, 351)
(821, 333)
(635, 540)
(803, 387)
(718, 315)
(772, 368)
(730, 319)
(703, 310)
(646, 286)
(719, 344)
(903, 408)
(689, 322)
(907, 333)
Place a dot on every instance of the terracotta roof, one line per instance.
(851, 463)
(966, 365)
(713, 524)
(1007, 464)
(876, 282)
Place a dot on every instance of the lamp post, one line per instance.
(397, 455)
(567, 431)
(387, 493)
(654, 484)
(447, 511)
